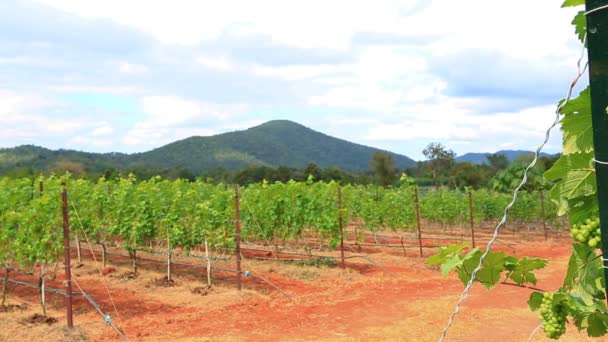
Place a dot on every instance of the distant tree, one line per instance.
(111, 173)
(497, 161)
(440, 161)
(508, 179)
(19, 172)
(382, 166)
(466, 175)
(336, 174)
(76, 169)
(312, 169)
(283, 174)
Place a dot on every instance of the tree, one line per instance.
(312, 169)
(497, 161)
(441, 160)
(383, 167)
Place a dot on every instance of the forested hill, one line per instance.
(481, 158)
(275, 143)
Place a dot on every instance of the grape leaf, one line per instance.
(576, 175)
(489, 274)
(581, 208)
(597, 324)
(580, 25)
(584, 268)
(576, 124)
(444, 254)
(523, 271)
(536, 299)
(572, 3)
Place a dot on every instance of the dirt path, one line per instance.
(362, 303)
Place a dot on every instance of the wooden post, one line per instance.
(77, 241)
(103, 255)
(597, 48)
(237, 236)
(418, 226)
(66, 256)
(471, 217)
(208, 264)
(542, 213)
(341, 223)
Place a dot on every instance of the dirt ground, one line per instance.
(405, 300)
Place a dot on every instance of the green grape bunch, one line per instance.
(553, 316)
(588, 232)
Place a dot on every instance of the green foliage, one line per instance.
(382, 166)
(273, 144)
(573, 3)
(455, 258)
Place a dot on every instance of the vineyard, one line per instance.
(185, 223)
(164, 215)
(159, 259)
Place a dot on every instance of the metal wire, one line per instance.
(596, 9)
(599, 162)
(98, 268)
(534, 332)
(74, 293)
(523, 182)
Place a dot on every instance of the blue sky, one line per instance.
(129, 76)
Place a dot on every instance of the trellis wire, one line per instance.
(523, 182)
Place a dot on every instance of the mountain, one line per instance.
(480, 158)
(275, 143)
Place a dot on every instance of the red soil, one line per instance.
(408, 301)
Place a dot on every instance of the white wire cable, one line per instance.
(534, 332)
(524, 180)
(599, 162)
(596, 9)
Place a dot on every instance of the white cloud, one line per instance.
(216, 63)
(129, 68)
(104, 129)
(105, 89)
(25, 117)
(310, 24)
(169, 118)
(297, 72)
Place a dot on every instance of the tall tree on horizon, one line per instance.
(440, 161)
(382, 166)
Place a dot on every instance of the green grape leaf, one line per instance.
(536, 299)
(580, 25)
(489, 274)
(584, 268)
(576, 124)
(582, 208)
(597, 324)
(444, 254)
(576, 175)
(572, 3)
(523, 271)
(450, 264)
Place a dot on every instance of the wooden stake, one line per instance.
(418, 225)
(67, 258)
(237, 235)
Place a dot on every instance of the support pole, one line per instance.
(66, 256)
(471, 217)
(418, 226)
(597, 46)
(341, 223)
(237, 236)
(543, 215)
(208, 264)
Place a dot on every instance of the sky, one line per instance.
(133, 75)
